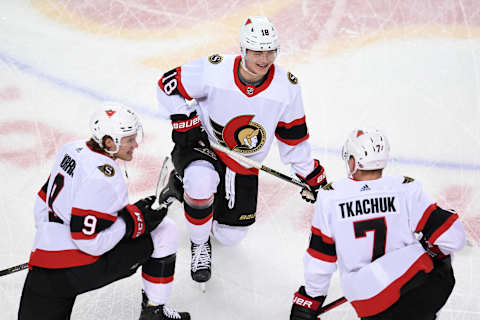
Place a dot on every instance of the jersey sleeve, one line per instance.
(292, 135)
(441, 228)
(320, 259)
(180, 84)
(94, 226)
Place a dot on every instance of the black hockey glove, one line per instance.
(191, 141)
(305, 307)
(314, 180)
(187, 131)
(140, 217)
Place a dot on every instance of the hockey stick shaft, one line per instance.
(333, 304)
(13, 269)
(258, 165)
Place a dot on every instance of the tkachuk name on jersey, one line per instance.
(367, 206)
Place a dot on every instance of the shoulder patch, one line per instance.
(292, 78)
(215, 58)
(328, 187)
(107, 170)
(407, 179)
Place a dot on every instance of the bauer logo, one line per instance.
(215, 58)
(107, 170)
(186, 124)
(292, 78)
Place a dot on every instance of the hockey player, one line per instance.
(88, 235)
(241, 102)
(392, 242)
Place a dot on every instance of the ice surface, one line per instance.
(410, 68)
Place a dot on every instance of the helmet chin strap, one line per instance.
(246, 69)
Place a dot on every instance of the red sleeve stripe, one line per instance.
(83, 212)
(83, 236)
(443, 228)
(163, 280)
(321, 256)
(426, 215)
(289, 125)
(42, 195)
(319, 233)
(180, 87)
(293, 142)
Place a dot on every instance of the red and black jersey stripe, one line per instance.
(434, 222)
(43, 191)
(86, 224)
(171, 83)
(159, 270)
(322, 247)
(292, 133)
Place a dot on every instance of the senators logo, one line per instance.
(292, 78)
(215, 59)
(107, 170)
(240, 134)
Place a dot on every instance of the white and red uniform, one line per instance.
(85, 191)
(76, 218)
(243, 117)
(368, 229)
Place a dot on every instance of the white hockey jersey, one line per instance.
(243, 117)
(76, 209)
(368, 229)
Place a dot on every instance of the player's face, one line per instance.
(259, 62)
(127, 145)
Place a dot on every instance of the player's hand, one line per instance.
(187, 131)
(140, 217)
(314, 180)
(305, 307)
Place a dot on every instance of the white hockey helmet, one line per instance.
(258, 34)
(369, 148)
(116, 121)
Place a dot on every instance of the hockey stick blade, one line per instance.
(167, 167)
(13, 269)
(332, 305)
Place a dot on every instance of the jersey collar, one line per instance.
(250, 90)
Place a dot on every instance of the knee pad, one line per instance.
(228, 235)
(200, 180)
(165, 238)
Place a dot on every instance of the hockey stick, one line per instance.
(13, 269)
(332, 305)
(258, 165)
(162, 181)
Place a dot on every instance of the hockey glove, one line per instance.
(305, 307)
(314, 180)
(140, 217)
(187, 131)
(191, 142)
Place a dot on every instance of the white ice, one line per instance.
(423, 92)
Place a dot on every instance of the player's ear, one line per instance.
(108, 143)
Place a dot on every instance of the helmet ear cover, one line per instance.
(115, 121)
(369, 147)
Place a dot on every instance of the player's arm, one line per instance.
(442, 231)
(100, 219)
(319, 265)
(292, 134)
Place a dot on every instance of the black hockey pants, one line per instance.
(50, 293)
(423, 296)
